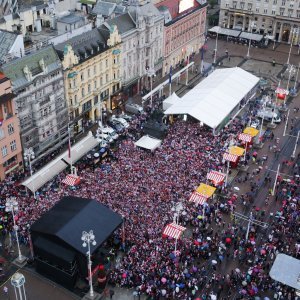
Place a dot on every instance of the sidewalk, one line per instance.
(259, 63)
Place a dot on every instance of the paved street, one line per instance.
(260, 64)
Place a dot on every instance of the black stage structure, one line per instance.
(56, 237)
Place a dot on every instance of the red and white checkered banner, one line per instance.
(198, 198)
(216, 177)
(230, 157)
(71, 180)
(173, 230)
(247, 138)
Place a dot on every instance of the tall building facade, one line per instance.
(141, 30)
(277, 18)
(91, 63)
(184, 30)
(37, 82)
(10, 143)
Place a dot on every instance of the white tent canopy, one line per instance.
(251, 36)
(170, 101)
(286, 269)
(38, 179)
(214, 98)
(148, 142)
(225, 31)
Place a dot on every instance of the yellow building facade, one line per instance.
(91, 64)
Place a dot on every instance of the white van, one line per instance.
(268, 115)
(134, 108)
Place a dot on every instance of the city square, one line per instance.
(177, 180)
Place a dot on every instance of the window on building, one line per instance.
(95, 84)
(82, 92)
(281, 12)
(107, 78)
(257, 9)
(2, 135)
(95, 70)
(89, 88)
(242, 4)
(265, 11)
(298, 13)
(75, 99)
(82, 76)
(283, 3)
(10, 128)
(290, 12)
(273, 12)
(249, 6)
(13, 145)
(227, 5)
(106, 63)
(89, 73)
(4, 151)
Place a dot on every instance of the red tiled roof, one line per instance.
(173, 6)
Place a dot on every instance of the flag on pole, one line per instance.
(202, 53)
(69, 143)
(170, 75)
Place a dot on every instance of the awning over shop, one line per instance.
(286, 269)
(213, 99)
(251, 36)
(170, 101)
(225, 31)
(148, 142)
(198, 198)
(71, 180)
(251, 131)
(81, 148)
(230, 157)
(236, 150)
(216, 177)
(173, 230)
(205, 190)
(38, 179)
(247, 138)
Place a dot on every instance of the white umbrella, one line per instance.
(208, 238)
(236, 188)
(214, 262)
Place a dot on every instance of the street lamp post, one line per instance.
(216, 47)
(28, 157)
(294, 31)
(18, 282)
(291, 70)
(177, 209)
(11, 206)
(251, 27)
(295, 85)
(88, 238)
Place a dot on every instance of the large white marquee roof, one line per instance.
(212, 100)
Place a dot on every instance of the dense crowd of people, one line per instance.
(145, 186)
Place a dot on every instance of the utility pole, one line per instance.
(250, 221)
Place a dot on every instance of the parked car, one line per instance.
(255, 123)
(134, 108)
(268, 115)
(123, 122)
(109, 131)
(116, 125)
(104, 136)
(128, 118)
